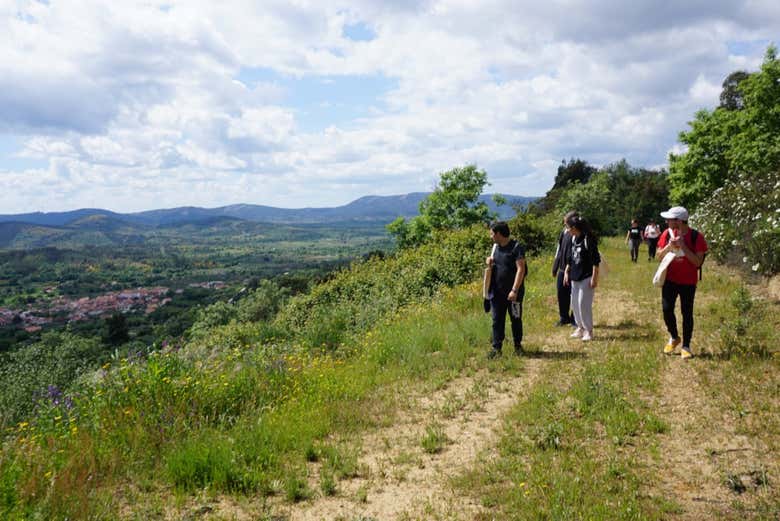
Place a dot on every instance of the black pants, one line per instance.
(668, 298)
(564, 300)
(499, 308)
(634, 249)
(652, 244)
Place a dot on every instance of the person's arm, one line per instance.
(596, 257)
(664, 245)
(594, 279)
(519, 276)
(628, 234)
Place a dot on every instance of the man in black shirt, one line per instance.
(507, 287)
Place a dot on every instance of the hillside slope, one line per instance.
(407, 419)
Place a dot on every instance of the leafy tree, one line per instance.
(730, 96)
(742, 136)
(615, 195)
(262, 303)
(454, 204)
(573, 171)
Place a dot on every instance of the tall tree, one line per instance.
(727, 141)
(453, 204)
(730, 96)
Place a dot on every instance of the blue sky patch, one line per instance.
(9, 160)
(358, 32)
(747, 47)
(323, 101)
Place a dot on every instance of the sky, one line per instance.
(138, 105)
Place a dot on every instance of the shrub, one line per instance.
(741, 221)
(357, 297)
(745, 329)
(43, 371)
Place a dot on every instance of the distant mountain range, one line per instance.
(97, 226)
(368, 208)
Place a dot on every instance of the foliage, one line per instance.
(745, 330)
(573, 171)
(43, 371)
(615, 195)
(454, 204)
(730, 96)
(741, 221)
(357, 297)
(536, 233)
(740, 138)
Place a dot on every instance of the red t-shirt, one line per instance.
(681, 270)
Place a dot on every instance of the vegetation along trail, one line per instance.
(612, 429)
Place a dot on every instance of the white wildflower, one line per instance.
(756, 266)
(734, 242)
(744, 259)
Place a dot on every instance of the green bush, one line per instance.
(43, 371)
(741, 221)
(357, 297)
(745, 329)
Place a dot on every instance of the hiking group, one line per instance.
(680, 248)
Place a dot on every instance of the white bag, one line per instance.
(660, 274)
(488, 275)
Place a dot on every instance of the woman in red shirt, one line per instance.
(681, 276)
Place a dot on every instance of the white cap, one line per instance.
(676, 212)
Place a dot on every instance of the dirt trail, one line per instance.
(703, 449)
(401, 480)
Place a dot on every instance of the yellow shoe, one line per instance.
(685, 353)
(670, 345)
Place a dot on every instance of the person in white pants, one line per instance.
(582, 272)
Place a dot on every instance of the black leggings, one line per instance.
(652, 244)
(634, 249)
(668, 298)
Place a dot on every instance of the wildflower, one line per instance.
(744, 259)
(756, 266)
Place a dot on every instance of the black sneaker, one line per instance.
(561, 323)
(519, 351)
(493, 353)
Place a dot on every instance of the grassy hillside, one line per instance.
(371, 398)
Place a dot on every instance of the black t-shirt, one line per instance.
(505, 267)
(584, 254)
(635, 233)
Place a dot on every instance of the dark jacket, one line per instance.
(561, 252)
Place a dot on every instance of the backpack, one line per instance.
(694, 238)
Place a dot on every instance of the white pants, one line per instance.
(582, 303)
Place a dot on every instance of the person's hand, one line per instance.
(565, 279)
(593, 282)
(489, 261)
(512, 296)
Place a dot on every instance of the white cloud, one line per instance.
(139, 107)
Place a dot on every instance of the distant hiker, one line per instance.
(634, 238)
(565, 316)
(689, 248)
(582, 272)
(507, 287)
(652, 232)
